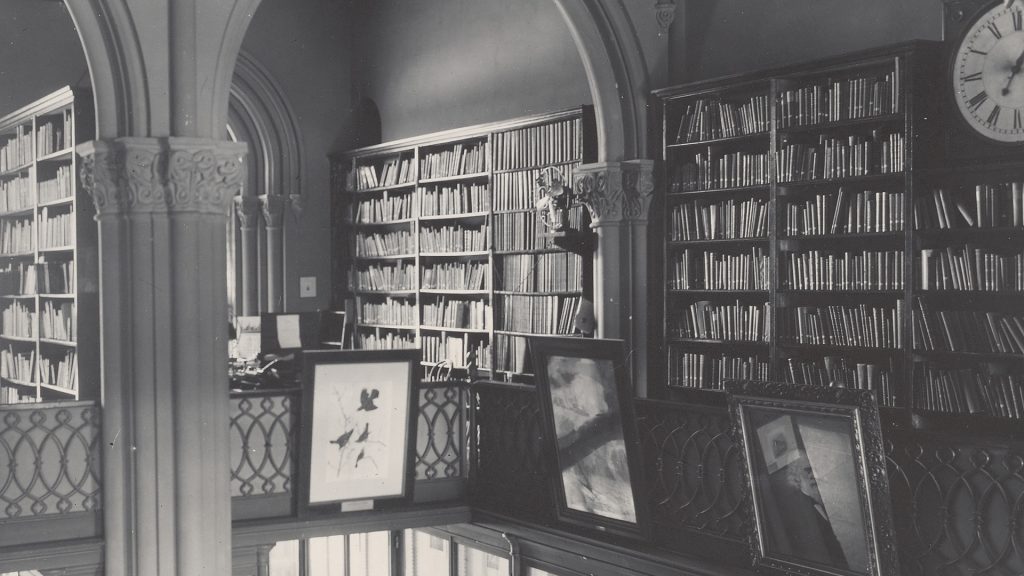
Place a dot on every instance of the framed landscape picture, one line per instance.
(358, 412)
(816, 476)
(586, 399)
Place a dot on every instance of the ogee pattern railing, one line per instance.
(262, 442)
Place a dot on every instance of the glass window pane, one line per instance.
(369, 554)
(473, 562)
(426, 555)
(284, 559)
(326, 556)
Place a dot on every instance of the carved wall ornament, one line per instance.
(665, 12)
(248, 209)
(273, 206)
(599, 188)
(150, 175)
(637, 189)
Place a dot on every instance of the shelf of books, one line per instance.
(786, 235)
(442, 248)
(49, 324)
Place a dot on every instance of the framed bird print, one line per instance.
(358, 429)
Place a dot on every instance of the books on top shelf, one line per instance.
(843, 213)
(970, 268)
(842, 99)
(708, 370)
(393, 171)
(16, 148)
(843, 270)
(54, 134)
(540, 145)
(717, 220)
(463, 158)
(990, 206)
(709, 119)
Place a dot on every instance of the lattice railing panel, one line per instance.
(49, 459)
(440, 434)
(693, 469)
(262, 444)
(959, 509)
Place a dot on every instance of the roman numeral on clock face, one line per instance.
(971, 77)
(1018, 20)
(993, 116)
(977, 100)
(1017, 120)
(994, 30)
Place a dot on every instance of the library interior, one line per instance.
(496, 288)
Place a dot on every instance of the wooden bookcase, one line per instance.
(763, 276)
(49, 322)
(438, 244)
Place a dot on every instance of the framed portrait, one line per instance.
(358, 432)
(816, 477)
(586, 402)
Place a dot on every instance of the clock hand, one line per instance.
(1013, 72)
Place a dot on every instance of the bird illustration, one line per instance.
(365, 434)
(342, 440)
(366, 399)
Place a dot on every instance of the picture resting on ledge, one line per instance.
(816, 474)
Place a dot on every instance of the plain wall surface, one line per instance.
(724, 37)
(435, 65)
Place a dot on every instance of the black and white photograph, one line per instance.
(198, 196)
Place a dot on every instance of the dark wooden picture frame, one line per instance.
(591, 436)
(815, 472)
(359, 408)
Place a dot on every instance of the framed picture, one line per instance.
(816, 476)
(358, 432)
(586, 400)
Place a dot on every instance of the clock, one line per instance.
(987, 74)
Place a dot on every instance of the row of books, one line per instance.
(968, 331)
(56, 230)
(840, 372)
(968, 391)
(395, 243)
(537, 314)
(730, 170)
(393, 171)
(709, 321)
(838, 100)
(455, 276)
(16, 148)
(861, 325)
(389, 207)
(386, 277)
(61, 186)
(706, 370)
(836, 158)
(990, 206)
(55, 134)
(19, 366)
(391, 312)
(17, 236)
(18, 320)
(512, 353)
(457, 349)
(716, 271)
(516, 231)
(449, 238)
(385, 340)
(15, 194)
(548, 272)
(55, 277)
(58, 321)
(519, 190)
(456, 161)
(61, 371)
(825, 270)
(971, 268)
(457, 313)
(843, 213)
(459, 199)
(706, 119)
(724, 219)
(551, 143)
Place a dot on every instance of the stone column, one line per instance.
(273, 206)
(247, 208)
(618, 196)
(161, 208)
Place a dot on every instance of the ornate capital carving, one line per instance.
(297, 204)
(273, 206)
(599, 187)
(665, 12)
(637, 189)
(248, 209)
(162, 175)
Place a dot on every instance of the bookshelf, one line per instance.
(49, 348)
(440, 247)
(788, 245)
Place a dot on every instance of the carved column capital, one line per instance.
(273, 206)
(162, 175)
(665, 12)
(599, 187)
(637, 189)
(248, 209)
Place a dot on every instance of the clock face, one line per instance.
(988, 74)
